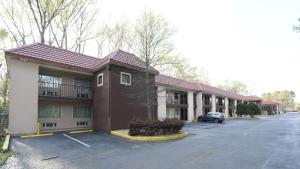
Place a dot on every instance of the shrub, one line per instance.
(167, 126)
(247, 109)
(253, 109)
(241, 109)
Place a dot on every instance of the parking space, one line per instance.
(249, 144)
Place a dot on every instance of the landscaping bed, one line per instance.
(153, 130)
(124, 134)
(155, 127)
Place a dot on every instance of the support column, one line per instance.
(190, 106)
(199, 109)
(213, 103)
(161, 102)
(226, 107)
(234, 109)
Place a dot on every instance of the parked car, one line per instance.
(216, 117)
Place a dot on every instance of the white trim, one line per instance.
(101, 74)
(121, 80)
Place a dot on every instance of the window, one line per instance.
(100, 79)
(82, 83)
(50, 81)
(49, 111)
(81, 112)
(125, 78)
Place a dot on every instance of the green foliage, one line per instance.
(179, 67)
(234, 86)
(6, 155)
(253, 109)
(247, 109)
(3, 34)
(286, 99)
(241, 109)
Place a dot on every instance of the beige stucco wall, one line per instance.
(23, 96)
(66, 122)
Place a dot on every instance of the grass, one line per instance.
(6, 155)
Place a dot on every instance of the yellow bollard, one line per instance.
(38, 128)
(38, 134)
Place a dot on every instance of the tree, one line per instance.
(247, 109)
(63, 23)
(112, 37)
(267, 96)
(153, 43)
(179, 67)
(285, 98)
(252, 110)
(44, 11)
(241, 109)
(234, 86)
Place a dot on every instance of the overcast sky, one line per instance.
(248, 40)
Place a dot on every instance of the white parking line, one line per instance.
(76, 140)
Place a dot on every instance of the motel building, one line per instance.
(62, 90)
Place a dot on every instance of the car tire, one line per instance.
(216, 120)
(200, 119)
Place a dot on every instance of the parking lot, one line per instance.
(269, 143)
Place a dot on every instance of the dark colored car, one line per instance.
(212, 117)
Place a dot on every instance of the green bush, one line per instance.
(241, 109)
(247, 109)
(253, 109)
(154, 127)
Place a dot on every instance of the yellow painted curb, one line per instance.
(154, 138)
(6, 143)
(80, 131)
(37, 135)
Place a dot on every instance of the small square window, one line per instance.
(100, 79)
(125, 78)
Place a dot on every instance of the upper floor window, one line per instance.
(100, 79)
(50, 81)
(125, 78)
(82, 83)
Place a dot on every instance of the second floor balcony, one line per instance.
(64, 90)
(176, 101)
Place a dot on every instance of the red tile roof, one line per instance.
(42, 52)
(46, 54)
(50, 55)
(252, 98)
(186, 85)
(176, 83)
(269, 102)
(125, 58)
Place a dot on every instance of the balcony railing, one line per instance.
(64, 90)
(172, 100)
(207, 103)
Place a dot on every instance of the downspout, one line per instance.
(109, 95)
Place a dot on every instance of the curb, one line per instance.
(36, 135)
(154, 138)
(6, 144)
(80, 131)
